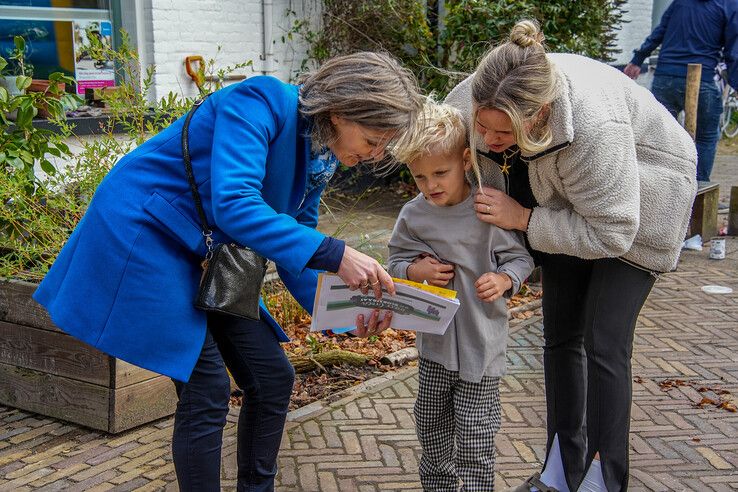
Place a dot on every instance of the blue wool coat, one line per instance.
(126, 279)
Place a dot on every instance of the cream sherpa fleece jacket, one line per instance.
(619, 177)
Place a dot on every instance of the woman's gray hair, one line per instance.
(518, 79)
(368, 88)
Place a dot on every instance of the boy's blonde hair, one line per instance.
(440, 129)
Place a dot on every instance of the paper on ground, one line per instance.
(414, 307)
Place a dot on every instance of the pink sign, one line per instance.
(90, 70)
(93, 84)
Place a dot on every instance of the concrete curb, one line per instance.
(343, 397)
(528, 306)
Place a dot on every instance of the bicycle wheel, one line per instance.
(729, 118)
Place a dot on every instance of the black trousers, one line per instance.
(590, 309)
(251, 352)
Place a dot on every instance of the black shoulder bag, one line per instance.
(232, 274)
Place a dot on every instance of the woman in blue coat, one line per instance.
(262, 152)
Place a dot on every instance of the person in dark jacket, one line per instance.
(693, 31)
(262, 152)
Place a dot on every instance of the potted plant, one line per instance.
(46, 98)
(20, 78)
(16, 82)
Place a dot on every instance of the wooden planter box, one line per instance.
(45, 371)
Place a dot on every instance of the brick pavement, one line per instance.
(366, 443)
(365, 440)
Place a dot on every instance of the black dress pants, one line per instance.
(590, 309)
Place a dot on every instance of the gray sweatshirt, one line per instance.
(474, 343)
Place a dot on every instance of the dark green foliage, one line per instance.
(442, 51)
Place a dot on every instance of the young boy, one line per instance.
(438, 239)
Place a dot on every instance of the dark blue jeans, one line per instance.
(670, 92)
(250, 350)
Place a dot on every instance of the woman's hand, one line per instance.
(373, 326)
(491, 286)
(497, 208)
(360, 271)
(431, 270)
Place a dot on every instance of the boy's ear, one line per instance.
(467, 159)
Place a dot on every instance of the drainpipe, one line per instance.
(267, 55)
(143, 26)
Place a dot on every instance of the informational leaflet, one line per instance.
(91, 72)
(415, 307)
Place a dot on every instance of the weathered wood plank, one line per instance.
(733, 212)
(17, 306)
(703, 220)
(46, 371)
(142, 402)
(53, 352)
(127, 374)
(54, 396)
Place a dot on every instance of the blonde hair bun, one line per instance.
(526, 33)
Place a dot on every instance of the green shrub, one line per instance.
(442, 51)
(23, 145)
(37, 214)
(586, 27)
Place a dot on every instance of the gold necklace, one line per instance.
(505, 167)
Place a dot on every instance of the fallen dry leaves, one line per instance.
(711, 396)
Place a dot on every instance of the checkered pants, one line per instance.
(456, 422)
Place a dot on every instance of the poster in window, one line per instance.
(90, 70)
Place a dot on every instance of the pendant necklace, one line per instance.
(505, 167)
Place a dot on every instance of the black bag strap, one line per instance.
(206, 231)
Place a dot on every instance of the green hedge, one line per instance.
(442, 50)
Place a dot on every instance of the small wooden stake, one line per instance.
(691, 97)
(733, 212)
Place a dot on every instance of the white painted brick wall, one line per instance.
(197, 27)
(289, 54)
(633, 33)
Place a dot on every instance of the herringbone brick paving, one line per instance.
(686, 342)
(365, 441)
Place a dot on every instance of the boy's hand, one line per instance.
(431, 270)
(491, 286)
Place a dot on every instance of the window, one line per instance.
(57, 33)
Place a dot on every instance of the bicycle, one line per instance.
(729, 116)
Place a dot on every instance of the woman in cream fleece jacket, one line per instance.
(600, 177)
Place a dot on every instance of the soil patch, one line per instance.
(728, 146)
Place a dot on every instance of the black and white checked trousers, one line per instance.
(456, 422)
